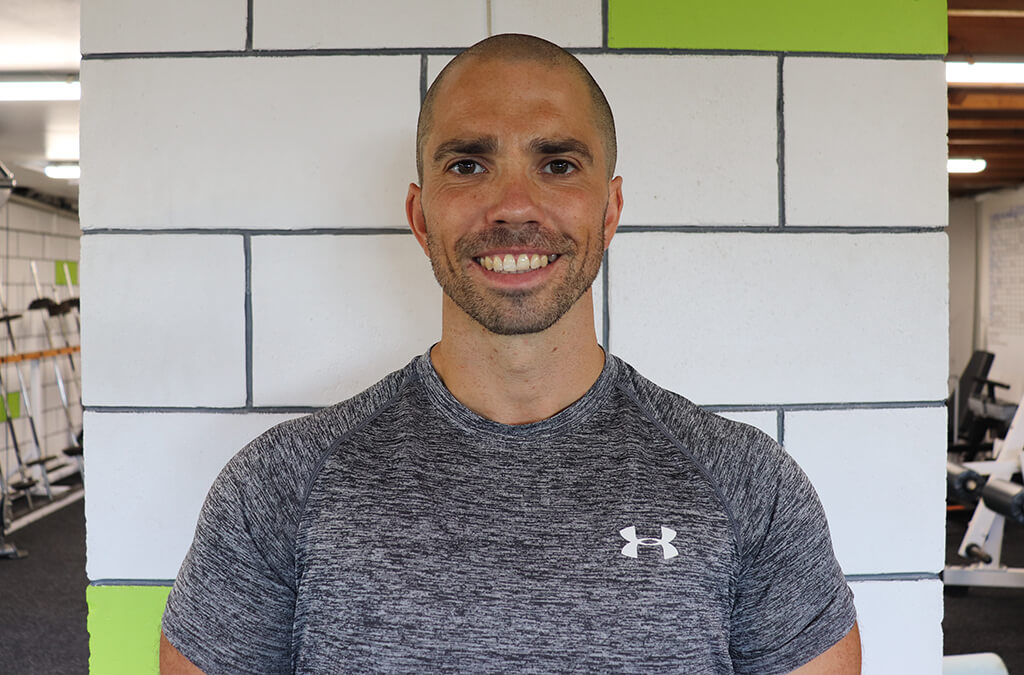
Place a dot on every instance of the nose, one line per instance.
(516, 200)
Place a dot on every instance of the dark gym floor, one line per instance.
(43, 612)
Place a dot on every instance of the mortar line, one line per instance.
(247, 253)
(423, 77)
(248, 25)
(604, 24)
(355, 231)
(781, 140)
(398, 51)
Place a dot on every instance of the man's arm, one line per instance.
(842, 658)
(173, 662)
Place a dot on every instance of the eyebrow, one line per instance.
(561, 146)
(484, 145)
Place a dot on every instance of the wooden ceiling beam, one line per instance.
(986, 136)
(978, 36)
(986, 151)
(966, 99)
(985, 6)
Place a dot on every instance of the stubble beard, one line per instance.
(515, 312)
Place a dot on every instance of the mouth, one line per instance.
(515, 263)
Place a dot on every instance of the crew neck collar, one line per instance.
(464, 418)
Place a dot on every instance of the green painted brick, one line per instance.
(863, 26)
(124, 628)
(13, 404)
(58, 272)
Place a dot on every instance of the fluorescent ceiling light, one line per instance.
(959, 72)
(63, 171)
(965, 165)
(40, 91)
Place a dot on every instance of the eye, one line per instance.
(465, 167)
(559, 166)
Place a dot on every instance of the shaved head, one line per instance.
(512, 47)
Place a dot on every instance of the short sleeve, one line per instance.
(792, 602)
(231, 609)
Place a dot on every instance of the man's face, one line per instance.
(516, 208)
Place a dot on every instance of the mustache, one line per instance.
(531, 235)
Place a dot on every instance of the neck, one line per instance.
(518, 379)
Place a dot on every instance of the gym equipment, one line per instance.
(999, 498)
(974, 410)
(41, 459)
(61, 389)
(7, 549)
(986, 663)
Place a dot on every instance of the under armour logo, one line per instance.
(631, 549)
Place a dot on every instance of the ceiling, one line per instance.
(41, 37)
(987, 122)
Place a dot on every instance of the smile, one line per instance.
(515, 264)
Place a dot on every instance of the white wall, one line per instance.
(1000, 322)
(963, 283)
(242, 197)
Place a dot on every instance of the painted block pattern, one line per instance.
(900, 626)
(882, 490)
(569, 23)
(751, 319)
(866, 26)
(693, 133)
(148, 477)
(166, 320)
(766, 421)
(853, 162)
(332, 315)
(155, 26)
(284, 143)
(326, 24)
(124, 628)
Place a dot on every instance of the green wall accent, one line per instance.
(13, 404)
(124, 628)
(859, 26)
(58, 272)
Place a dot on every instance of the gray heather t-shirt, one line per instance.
(401, 532)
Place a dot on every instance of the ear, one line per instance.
(613, 211)
(414, 214)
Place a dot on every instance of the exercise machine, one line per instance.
(990, 482)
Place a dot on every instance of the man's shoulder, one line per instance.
(704, 434)
(297, 446)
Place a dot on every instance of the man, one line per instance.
(514, 499)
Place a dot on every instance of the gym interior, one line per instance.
(794, 254)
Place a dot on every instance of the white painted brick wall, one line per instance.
(159, 26)
(778, 318)
(334, 314)
(865, 142)
(347, 24)
(900, 626)
(280, 143)
(165, 321)
(148, 476)
(326, 141)
(875, 486)
(696, 137)
(569, 23)
(766, 421)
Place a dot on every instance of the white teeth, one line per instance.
(513, 264)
